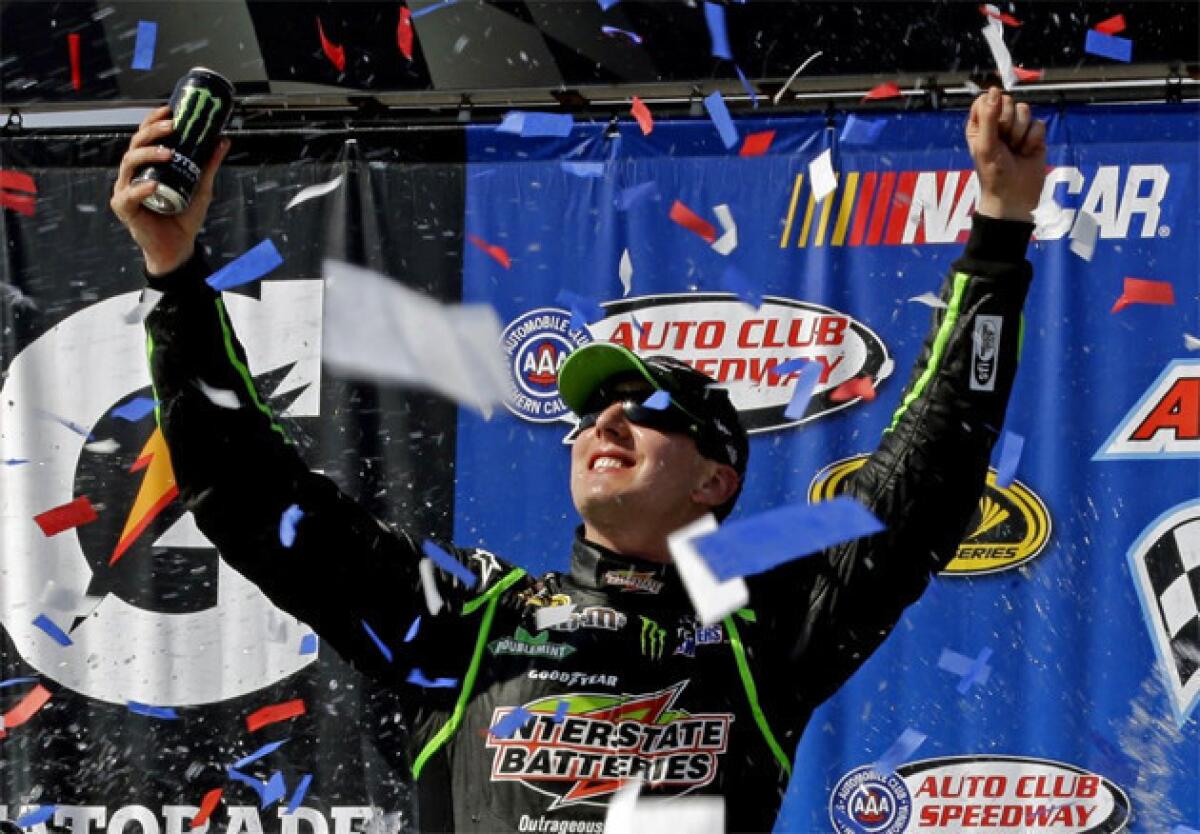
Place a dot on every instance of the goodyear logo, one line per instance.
(1010, 527)
(901, 208)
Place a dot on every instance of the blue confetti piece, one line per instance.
(1183, 829)
(760, 542)
(747, 86)
(902, 749)
(62, 421)
(719, 113)
(411, 634)
(859, 131)
(634, 194)
(714, 16)
(805, 384)
(530, 125)
(790, 366)
(138, 708)
(299, 794)
(432, 8)
(509, 724)
(143, 47)
(250, 266)
(512, 122)
(47, 625)
(417, 678)
(16, 461)
(382, 646)
(36, 817)
(613, 30)
(977, 674)
(135, 409)
(1011, 446)
(308, 644)
(954, 663)
(262, 752)
(287, 525)
(16, 682)
(560, 712)
(583, 169)
(274, 790)
(259, 787)
(658, 401)
(449, 564)
(587, 308)
(734, 280)
(1108, 46)
(605, 5)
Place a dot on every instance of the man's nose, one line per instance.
(612, 421)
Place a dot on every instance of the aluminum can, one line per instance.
(200, 107)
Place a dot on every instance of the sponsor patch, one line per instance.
(572, 678)
(864, 802)
(690, 634)
(1010, 527)
(524, 644)
(985, 347)
(536, 344)
(1165, 422)
(630, 580)
(654, 639)
(594, 616)
(605, 741)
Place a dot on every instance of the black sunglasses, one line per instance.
(672, 418)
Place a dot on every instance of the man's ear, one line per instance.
(718, 487)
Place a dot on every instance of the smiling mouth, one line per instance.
(604, 463)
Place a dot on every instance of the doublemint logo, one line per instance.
(199, 96)
(526, 645)
(654, 639)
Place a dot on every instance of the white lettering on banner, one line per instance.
(143, 816)
(177, 819)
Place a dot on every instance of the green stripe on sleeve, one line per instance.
(739, 654)
(243, 371)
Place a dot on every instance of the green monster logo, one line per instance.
(200, 96)
(654, 639)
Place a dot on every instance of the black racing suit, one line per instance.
(629, 685)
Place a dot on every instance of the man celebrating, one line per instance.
(568, 685)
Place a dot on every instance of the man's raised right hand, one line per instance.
(166, 241)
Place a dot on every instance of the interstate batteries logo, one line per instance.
(536, 344)
(1002, 794)
(1010, 527)
(603, 741)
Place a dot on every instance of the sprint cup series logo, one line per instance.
(604, 740)
(1011, 526)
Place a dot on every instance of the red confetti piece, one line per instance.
(404, 33)
(1112, 25)
(497, 252)
(1143, 291)
(336, 54)
(25, 709)
(1027, 74)
(276, 712)
(756, 144)
(859, 387)
(16, 181)
(207, 806)
(888, 89)
(80, 511)
(1003, 17)
(642, 113)
(76, 73)
(687, 218)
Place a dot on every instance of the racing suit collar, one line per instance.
(601, 569)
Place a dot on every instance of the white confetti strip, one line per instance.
(728, 240)
(314, 191)
(1084, 234)
(1191, 342)
(711, 598)
(1051, 221)
(433, 599)
(222, 397)
(929, 300)
(821, 175)
(993, 33)
(792, 77)
(553, 615)
(103, 447)
(625, 271)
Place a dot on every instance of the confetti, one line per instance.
(605, 5)
(510, 723)
(16, 682)
(135, 409)
(313, 191)
(1108, 46)
(719, 114)
(411, 634)
(498, 253)
(560, 712)
(971, 671)
(1114, 25)
(625, 272)
(747, 86)
(62, 421)
(18, 192)
(734, 280)
(1084, 233)
(728, 240)
(15, 461)
(714, 17)
(860, 387)
(76, 513)
(859, 131)
(902, 749)
(881, 92)
(1011, 446)
(1026, 75)
(417, 678)
(1191, 342)
(433, 600)
(250, 266)
(529, 124)
(693, 222)
(757, 144)
(287, 525)
(379, 644)
(1003, 17)
(220, 397)
(24, 709)
(51, 628)
(274, 713)
(759, 542)
(299, 794)
(658, 401)
(147, 302)
(806, 383)
(143, 47)
(613, 31)
(433, 8)
(336, 54)
(550, 616)
(404, 33)
(1184, 829)
(449, 564)
(712, 598)
(929, 299)
(1142, 291)
(73, 51)
(260, 753)
(274, 790)
(207, 805)
(821, 175)
(790, 366)
(792, 77)
(36, 817)
(634, 194)
(994, 35)
(583, 169)
(642, 113)
(167, 713)
(1051, 220)
(309, 644)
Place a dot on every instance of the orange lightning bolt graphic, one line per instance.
(157, 491)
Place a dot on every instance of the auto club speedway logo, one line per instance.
(1002, 794)
(605, 740)
(1165, 422)
(1010, 527)
(716, 333)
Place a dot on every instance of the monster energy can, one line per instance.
(200, 108)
